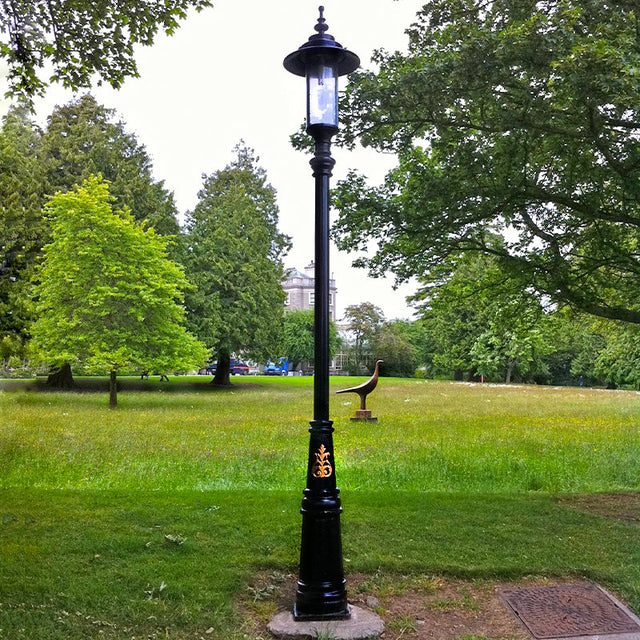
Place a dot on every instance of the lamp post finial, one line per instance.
(322, 25)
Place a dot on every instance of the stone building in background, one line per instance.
(300, 290)
(299, 287)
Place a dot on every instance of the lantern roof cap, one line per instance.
(321, 43)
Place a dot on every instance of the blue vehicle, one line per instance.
(280, 369)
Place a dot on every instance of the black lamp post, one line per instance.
(321, 593)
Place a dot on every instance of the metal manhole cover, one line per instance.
(568, 610)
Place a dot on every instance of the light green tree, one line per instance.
(516, 339)
(82, 138)
(107, 295)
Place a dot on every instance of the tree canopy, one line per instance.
(108, 297)
(84, 138)
(80, 40)
(23, 230)
(519, 117)
(393, 345)
(481, 323)
(362, 321)
(234, 259)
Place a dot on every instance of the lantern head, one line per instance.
(322, 60)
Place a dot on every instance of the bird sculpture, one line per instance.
(364, 389)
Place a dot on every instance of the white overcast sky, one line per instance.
(220, 78)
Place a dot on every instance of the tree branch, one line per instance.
(593, 213)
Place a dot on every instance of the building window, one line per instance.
(287, 300)
(312, 298)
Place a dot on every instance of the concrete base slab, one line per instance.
(362, 624)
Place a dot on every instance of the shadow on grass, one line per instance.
(101, 385)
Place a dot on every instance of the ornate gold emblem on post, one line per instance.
(322, 467)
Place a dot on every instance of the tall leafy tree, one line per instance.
(234, 259)
(23, 229)
(618, 361)
(299, 337)
(515, 340)
(577, 340)
(108, 296)
(423, 342)
(80, 40)
(362, 321)
(83, 138)
(393, 345)
(481, 321)
(517, 116)
(454, 315)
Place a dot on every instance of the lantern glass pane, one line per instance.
(322, 95)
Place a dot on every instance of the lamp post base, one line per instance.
(322, 602)
(320, 617)
(362, 624)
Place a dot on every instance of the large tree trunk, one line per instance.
(113, 390)
(223, 370)
(61, 378)
(511, 364)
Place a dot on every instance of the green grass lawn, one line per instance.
(459, 480)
